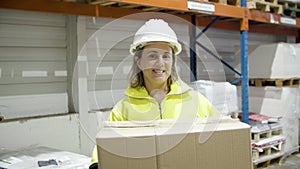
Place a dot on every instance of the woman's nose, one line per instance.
(160, 61)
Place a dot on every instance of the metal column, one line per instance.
(193, 59)
(244, 69)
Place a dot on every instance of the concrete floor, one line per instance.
(290, 162)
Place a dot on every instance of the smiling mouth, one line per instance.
(158, 71)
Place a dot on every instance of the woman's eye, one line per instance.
(166, 56)
(152, 56)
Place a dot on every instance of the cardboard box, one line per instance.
(206, 143)
(132, 147)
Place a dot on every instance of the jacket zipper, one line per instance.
(159, 107)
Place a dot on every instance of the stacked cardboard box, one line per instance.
(202, 143)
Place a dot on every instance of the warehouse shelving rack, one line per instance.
(208, 14)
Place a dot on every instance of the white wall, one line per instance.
(32, 63)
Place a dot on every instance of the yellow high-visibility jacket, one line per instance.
(180, 102)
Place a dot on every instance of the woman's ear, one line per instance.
(138, 62)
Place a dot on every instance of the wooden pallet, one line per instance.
(275, 2)
(290, 8)
(267, 162)
(292, 12)
(234, 2)
(267, 151)
(266, 134)
(274, 82)
(265, 6)
(225, 2)
(289, 4)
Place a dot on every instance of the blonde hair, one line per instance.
(136, 77)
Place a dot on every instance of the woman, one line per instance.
(156, 91)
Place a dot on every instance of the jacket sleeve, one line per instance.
(94, 155)
(114, 116)
(116, 113)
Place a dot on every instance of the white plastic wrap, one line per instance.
(222, 95)
(274, 61)
(29, 157)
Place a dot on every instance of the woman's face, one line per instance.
(156, 63)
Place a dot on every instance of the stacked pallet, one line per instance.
(267, 140)
(290, 8)
(259, 82)
(267, 151)
(280, 103)
(265, 6)
(274, 77)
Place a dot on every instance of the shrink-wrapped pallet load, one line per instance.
(222, 95)
(274, 61)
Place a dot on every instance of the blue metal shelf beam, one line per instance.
(244, 68)
(193, 59)
(244, 60)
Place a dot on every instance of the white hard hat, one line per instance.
(155, 30)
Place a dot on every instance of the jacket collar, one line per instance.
(177, 88)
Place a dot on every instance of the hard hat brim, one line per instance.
(174, 45)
